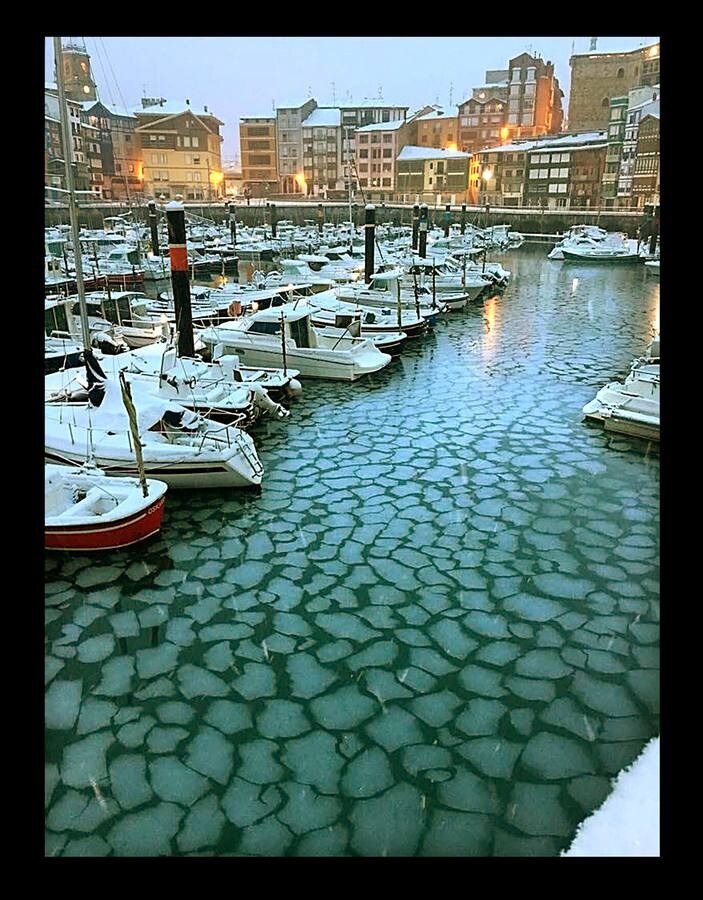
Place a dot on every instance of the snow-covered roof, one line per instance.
(648, 107)
(383, 126)
(295, 105)
(372, 103)
(270, 117)
(616, 52)
(551, 142)
(323, 118)
(411, 152)
(436, 114)
(174, 109)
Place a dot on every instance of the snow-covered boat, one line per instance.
(85, 509)
(652, 267)
(631, 407)
(206, 388)
(178, 446)
(258, 341)
(589, 243)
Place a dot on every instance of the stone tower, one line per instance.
(76, 71)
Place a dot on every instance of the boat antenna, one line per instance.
(132, 415)
(72, 207)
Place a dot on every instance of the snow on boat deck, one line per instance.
(627, 824)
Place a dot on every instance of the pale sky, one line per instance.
(244, 76)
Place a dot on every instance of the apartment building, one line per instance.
(289, 145)
(645, 180)
(534, 98)
(642, 102)
(54, 169)
(377, 148)
(432, 175)
(616, 137)
(549, 172)
(436, 129)
(322, 152)
(181, 148)
(115, 151)
(257, 141)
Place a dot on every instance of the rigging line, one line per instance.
(117, 84)
(104, 71)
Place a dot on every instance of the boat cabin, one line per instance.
(55, 317)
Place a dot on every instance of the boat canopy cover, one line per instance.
(111, 415)
(290, 311)
(392, 275)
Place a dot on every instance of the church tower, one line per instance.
(76, 71)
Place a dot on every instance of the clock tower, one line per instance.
(76, 71)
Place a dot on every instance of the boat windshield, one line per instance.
(299, 332)
(55, 319)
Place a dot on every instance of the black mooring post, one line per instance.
(369, 241)
(178, 251)
(447, 219)
(424, 213)
(416, 224)
(273, 220)
(320, 217)
(463, 218)
(233, 223)
(153, 228)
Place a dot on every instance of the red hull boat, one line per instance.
(87, 510)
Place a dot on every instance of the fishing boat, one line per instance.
(87, 510)
(284, 335)
(631, 407)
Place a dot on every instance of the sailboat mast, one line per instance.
(72, 208)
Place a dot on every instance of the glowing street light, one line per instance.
(487, 175)
(504, 133)
(452, 146)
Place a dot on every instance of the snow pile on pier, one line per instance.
(627, 824)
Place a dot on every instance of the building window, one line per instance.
(605, 102)
(621, 73)
(388, 138)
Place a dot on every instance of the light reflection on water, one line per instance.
(433, 631)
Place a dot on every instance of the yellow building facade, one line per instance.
(181, 151)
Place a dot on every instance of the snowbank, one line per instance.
(627, 824)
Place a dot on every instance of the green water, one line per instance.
(434, 631)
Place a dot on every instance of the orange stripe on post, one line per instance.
(179, 259)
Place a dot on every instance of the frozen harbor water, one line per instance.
(433, 632)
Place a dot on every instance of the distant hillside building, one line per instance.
(257, 140)
(181, 148)
(596, 78)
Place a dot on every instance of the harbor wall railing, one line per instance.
(527, 220)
